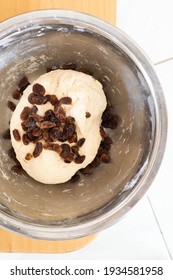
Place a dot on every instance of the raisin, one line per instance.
(16, 135)
(86, 170)
(50, 116)
(59, 112)
(33, 110)
(17, 169)
(37, 138)
(87, 115)
(80, 142)
(85, 71)
(38, 89)
(25, 113)
(69, 130)
(69, 120)
(52, 68)
(38, 149)
(11, 105)
(102, 132)
(66, 100)
(16, 94)
(73, 139)
(48, 146)
(56, 106)
(75, 178)
(69, 158)
(65, 148)
(28, 156)
(105, 158)
(45, 98)
(31, 98)
(65, 153)
(38, 118)
(25, 139)
(79, 159)
(56, 148)
(30, 136)
(47, 124)
(6, 135)
(46, 135)
(55, 134)
(52, 99)
(23, 126)
(37, 132)
(11, 153)
(109, 119)
(96, 162)
(75, 150)
(23, 84)
(30, 122)
(69, 66)
(38, 99)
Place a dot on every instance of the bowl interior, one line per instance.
(28, 50)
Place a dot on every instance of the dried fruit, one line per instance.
(11, 105)
(23, 84)
(17, 169)
(37, 132)
(75, 178)
(30, 122)
(38, 149)
(33, 110)
(6, 135)
(85, 71)
(105, 158)
(52, 68)
(79, 159)
(66, 100)
(109, 119)
(55, 134)
(38, 89)
(69, 65)
(80, 142)
(25, 113)
(87, 115)
(23, 126)
(87, 170)
(16, 94)
(102, 132)
(56, 148)
(48, 146)
(52, 99)
(11, 153)
(75, 150)
(16, 135)
(45, 134)
(25, 139)
(28, 156)
(46, 124)
(31, 98)
(59, 112)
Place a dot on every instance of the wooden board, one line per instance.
(104, 9)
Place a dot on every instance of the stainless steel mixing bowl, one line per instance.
(28, 44)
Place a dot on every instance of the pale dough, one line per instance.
(87, 96)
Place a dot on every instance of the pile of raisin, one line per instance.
(54, 126)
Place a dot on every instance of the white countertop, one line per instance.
(147, 231)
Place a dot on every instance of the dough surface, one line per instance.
(87, 96)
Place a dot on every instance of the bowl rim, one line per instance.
(144, 64)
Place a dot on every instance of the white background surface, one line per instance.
(147, 231)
